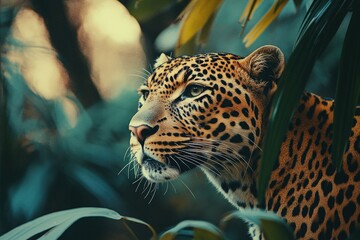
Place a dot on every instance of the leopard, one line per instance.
(211, 111)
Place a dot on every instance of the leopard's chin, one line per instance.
(158, 172)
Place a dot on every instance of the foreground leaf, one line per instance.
(194, 17)
(321, 23)
(347, 89)
(272, 226)
(58, 222)
(199, 230)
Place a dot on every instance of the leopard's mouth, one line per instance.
(156, 171)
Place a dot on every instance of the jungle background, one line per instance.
(69, 74)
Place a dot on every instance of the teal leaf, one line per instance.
(192, 229)
(58, 222)
(272, 226)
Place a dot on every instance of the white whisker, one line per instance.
(137, 187)
(150, 188)
(167, 187)
(154, 191)
(187, 188)
(173, 186)
(127, 165)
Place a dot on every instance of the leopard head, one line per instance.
(203, 111)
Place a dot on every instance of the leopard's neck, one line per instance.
(240, 187)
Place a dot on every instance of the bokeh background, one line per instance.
(69, 74)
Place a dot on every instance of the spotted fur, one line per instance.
(210, 111)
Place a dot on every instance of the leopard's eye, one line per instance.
(145, 93)
(193, 90)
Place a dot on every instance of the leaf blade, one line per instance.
(347, 89)
(271, 225)
(264, 22)
(198, 229)
(62, 220)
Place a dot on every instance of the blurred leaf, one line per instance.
(248, 12)
(205, 32)
(194, 17)
(264, 22)
(93, 183)
(347, 88)
(271, 225)
(325, 19)
(143, 10)
(28, 196)
(298, 3)
(250, 9)
(60, 221)
(186, 49)
(193, 230)
(166, 40)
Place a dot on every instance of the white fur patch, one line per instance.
(156, 176)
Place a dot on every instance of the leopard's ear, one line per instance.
(265, 63)
(163, 58)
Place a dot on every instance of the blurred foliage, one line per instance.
(47, 164)
(197, 17)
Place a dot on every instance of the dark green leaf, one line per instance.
(143, 10)
(355, 235)
(319, 26)
(347, 88)
(271, 225)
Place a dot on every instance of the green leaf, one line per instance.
(143, 10)
(194, 17)
(347, 88)
(271, 225)
(199, 230)
(319, 26)
(58, 222)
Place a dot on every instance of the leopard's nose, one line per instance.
(143, 131)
